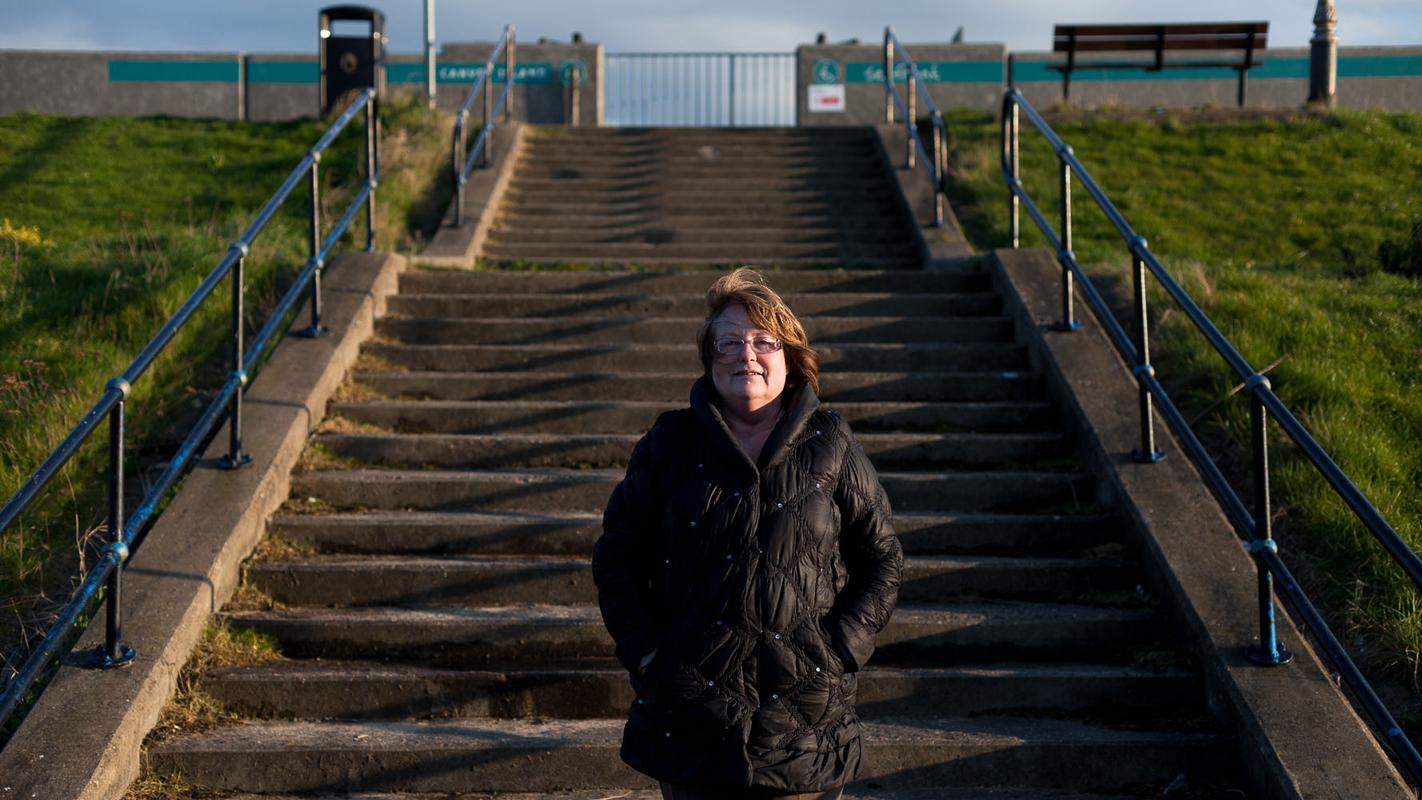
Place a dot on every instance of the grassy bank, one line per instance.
(109, 225)
(1296, 235)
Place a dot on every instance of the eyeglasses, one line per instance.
(730, 345)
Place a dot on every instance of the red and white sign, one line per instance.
(826, 97)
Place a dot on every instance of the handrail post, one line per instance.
(235, 457)
(940, 169)
(1268, 652)
(1068, 322)
(1147, 454)
(370, 171)
(315, 329)
(509, 69)
(113, 652)
(911, 120)
(1013, 204)
(575, 78)
(484, 154)
(889, 75)
(457, 164)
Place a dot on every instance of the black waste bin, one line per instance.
(351, 63)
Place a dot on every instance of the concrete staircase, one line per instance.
(444, 636)
(703, 196)
(437, 611)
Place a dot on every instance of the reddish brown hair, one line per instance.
(748, 288)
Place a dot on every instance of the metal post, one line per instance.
(1268, 652)
(1323, 55)
(889, 75)
(940, 172)
(731, 92)
(1147, 454)
(911, 122)
(575, 80)
(510, 72)
(235, 457)
(430, 53)
(1013, 206)
(113, 652)
(1068, 322)
(370, 173)
(315, 328)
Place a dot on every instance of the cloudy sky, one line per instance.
(666, 25)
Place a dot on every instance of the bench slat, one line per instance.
(1170, 29)
(1083, 45)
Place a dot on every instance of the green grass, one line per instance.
(108, 226)
(1274, 227)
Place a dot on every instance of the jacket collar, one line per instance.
(706, 403)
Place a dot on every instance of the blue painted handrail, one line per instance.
(1255, 528)
(123, 532)
(462, 162)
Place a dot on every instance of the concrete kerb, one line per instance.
(944, 246)
(457, 247)
(1297, 735)
(83, 738)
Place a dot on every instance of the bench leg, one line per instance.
(1243, 76)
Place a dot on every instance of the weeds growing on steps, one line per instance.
(109, 225)
(1300, 235)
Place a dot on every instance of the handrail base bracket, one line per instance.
(228, 462)
(1259, 654)
(1141, 457)
(1064, 326)
(100, 659)
(312, 331)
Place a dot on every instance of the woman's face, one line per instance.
(747, 381)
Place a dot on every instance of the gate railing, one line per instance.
(712, 89)
(462, 160)
(108, 572)
(1256, 529)
(937, 167)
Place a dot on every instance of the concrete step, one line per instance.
(573, 533)
(786, 282)
(683, 357)
(854, 792)
(511, 450)
(447, 305)
(635, 417)
(694, 193)
(625, 330)
(729, 250)
(504, 580)
(545, 756)
(548, 636)
(633, 154)
(586, 489)
(575, 260)
(823, 209)
(377, 690)
(672, 387)
(555, 169)
(595, 220)
(507, 231)
(713, 180)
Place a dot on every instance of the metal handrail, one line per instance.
(123, 534)
(462, 163)
(938, 166)
(1255, 528)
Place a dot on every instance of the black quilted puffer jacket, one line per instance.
(760, 586)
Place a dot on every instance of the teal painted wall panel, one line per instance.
(1269, 69)
(929, 72)
(194, 71)
(283, 72)
(1380, 67)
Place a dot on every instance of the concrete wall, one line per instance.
(273, 87)
(266, 86)
(956, 75)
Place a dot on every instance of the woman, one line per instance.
(746, 562)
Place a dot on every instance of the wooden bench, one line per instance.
(1245, 37)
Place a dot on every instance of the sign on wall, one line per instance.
(826, 90)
